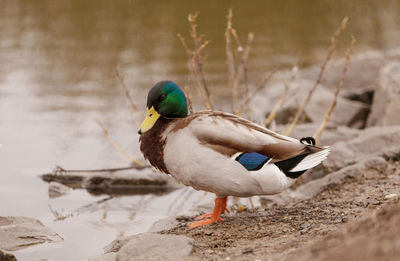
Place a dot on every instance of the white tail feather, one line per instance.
(311, 160)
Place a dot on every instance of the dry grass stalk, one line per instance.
(236, 74)
(118, 148)
(196, 60)
(192, 68)
(250, 39)
(241, 72)
(332, 47)
(189, 100)
(339, 87)
(260, 87)
(282, 98)
(230, 60)
(132, 105)
(59, 216)
(187, 49)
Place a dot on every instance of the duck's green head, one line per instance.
(165, 99)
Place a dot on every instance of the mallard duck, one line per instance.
(219, 152)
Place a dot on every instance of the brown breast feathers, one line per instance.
(152, 144)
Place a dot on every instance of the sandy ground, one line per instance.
(356, 220)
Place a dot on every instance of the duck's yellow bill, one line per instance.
(151, 117)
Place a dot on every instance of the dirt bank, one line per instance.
(359, 214)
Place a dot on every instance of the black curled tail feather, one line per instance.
(312, 156)
(286, 165)
(308, 141)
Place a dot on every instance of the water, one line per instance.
(57, 76)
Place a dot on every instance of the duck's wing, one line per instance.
(229, 134)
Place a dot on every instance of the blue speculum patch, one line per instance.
(252, 160)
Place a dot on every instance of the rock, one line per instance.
(376, 237)
(393, 54)
(105, 257)
(118, 181)
(314, 187)
(364, 97)
(362, 75)
(151, 246)
(377, 141)
(148, 246)
(347, 112)
(385, 109)
(247, 250)
(392, 196)
(20, 232)
(116, 244)
(7, 257)
(163, 224)
(57, 190)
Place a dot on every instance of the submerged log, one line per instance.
(129, 180)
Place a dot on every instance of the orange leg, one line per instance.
(206, 219)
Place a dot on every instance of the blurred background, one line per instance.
(57, 76)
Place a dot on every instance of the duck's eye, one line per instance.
(151, 114)
(163, 97)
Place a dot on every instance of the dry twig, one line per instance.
(132, 105)
(256, 91)
(196, 60)
(236, 74)
(339, 86)
(189, 100)
(118, 148)
(282, 98)
(230, 61)
(241, 72)
(332, 47)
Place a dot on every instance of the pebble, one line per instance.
(183, 218)
(241, 208)
(7, 257)
(375, 202)
(208, 232)
(305, 225)
(247, 250)
(392, 196)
